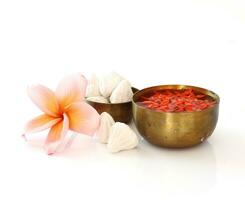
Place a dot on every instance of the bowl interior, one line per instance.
(150, 90)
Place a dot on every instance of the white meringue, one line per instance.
(93, 87)
(122, 93)
(106, 121)
(122, 137)
(108, 83)
(98, 99)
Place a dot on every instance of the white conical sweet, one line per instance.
(122, 93)
(106, 121)
(98, 99)
(93, 87)
(122, 137)
(108, 83)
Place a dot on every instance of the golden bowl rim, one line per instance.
(215, 96)
(107, 103)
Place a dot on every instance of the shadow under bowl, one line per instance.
(121, 112)
(175, 129)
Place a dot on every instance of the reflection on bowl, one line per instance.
(172, 129)
(121, 112)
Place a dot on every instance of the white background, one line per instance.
(195, 42)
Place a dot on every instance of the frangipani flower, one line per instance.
(63, 109)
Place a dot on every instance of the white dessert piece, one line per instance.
(122, 137)
(106, 122)
(122, 93)
(98, 99)
(108, 83)
(93, 87)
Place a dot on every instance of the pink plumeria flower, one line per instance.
(63, 109)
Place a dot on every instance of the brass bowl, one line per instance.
(121, 112)
(175, 130)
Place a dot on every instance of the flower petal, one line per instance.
(45, 99)
(83, 118)
(56, 136)
(41, 123)
(71, 89)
